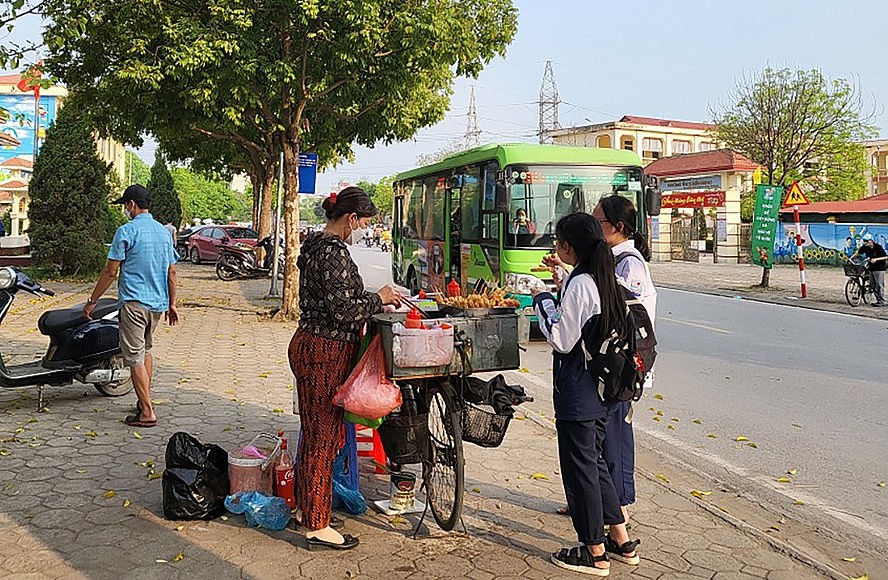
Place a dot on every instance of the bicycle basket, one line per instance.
(854, 270)
(483, 427)
(405, 438)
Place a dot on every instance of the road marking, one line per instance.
(695, 325)
(375, 267)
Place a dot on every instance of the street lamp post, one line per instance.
(274, 291)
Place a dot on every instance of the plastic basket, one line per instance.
(854, 270)
(483, 427)
(405, 438)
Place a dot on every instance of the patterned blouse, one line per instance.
(332, 298)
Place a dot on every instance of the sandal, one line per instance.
(580, 559)
(348, 543)
(563, 510)
(135, 420)
(620, 552)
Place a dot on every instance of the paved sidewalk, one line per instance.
(826, 284)
(80, 501)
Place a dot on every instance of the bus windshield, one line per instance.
(541, 195)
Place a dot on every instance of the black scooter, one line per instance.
(87, 351)
(239, 261)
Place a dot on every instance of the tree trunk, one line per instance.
(265, 214)
(255, 181)
(290, 300)
(766, 278)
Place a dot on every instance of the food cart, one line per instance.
(441, 410)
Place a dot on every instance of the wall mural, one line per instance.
(830, 244)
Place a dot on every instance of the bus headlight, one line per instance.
(7, 278)
(524, 283)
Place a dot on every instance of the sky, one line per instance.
(674, 60)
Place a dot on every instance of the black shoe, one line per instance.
(348, 543)
(618, 552)
(581, 560)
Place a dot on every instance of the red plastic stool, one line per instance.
(375, 451)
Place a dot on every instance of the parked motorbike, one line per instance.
(241, 261)
(80, 349)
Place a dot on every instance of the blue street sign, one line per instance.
(308, 172)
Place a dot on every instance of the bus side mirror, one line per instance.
(502, 201)
(653, 199)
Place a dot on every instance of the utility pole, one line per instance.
(549, 102)
(473, 131)
(274, 291)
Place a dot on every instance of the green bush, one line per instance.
(70, 219)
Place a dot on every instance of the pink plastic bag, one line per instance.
(367, 392)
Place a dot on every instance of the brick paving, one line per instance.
(78, 499)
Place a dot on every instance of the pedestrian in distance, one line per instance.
(172, 230)
(146, 261)
(877, 265)
(335, 306)
(590, 306)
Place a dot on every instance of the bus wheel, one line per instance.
(412, 282)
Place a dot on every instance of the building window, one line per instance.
(651, 148)
(706, 146)
(628, 143)
(681, 147)
(603, 141)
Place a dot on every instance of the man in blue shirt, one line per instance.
(142, 253)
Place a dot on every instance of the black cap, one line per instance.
(137, 193)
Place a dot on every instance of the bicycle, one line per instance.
(860, 285)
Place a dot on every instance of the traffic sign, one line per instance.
(795, 196)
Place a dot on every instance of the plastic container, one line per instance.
(414, 319)
(430, 345)
(453, 289)
(249, 473)
(524, 326)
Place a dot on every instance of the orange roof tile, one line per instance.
(18, 162)
(665, 123)
(13, 184)
(697, 163)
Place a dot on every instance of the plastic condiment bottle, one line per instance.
(285, 478)
(453, 289)
(414, 319)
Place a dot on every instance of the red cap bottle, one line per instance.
(414, 319)
(453, 288)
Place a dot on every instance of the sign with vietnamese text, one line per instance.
(764, 223)
(687, 183)
(308, 172)
(701, 199)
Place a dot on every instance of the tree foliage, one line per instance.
(800, 126)
(785, 119)
(204, 197)
(310, 209)
(70, 219)
(165, 204)
(382, 194)
(137, 171)
(275, 75)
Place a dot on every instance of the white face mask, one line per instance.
(127, 213)
(356, 236)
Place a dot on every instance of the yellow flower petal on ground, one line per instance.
(126, 503)
(792, 471)
(136, 435)
(179, 528)
(658, 396)
(712, 435)
(784, 480)
(864, 577)
(798, 502)
(110, 493)
(539, 475)
(662, 478)
(741, 438)
(179, 557)
(849, 559)
(265, 375)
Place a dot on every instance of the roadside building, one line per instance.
(877, 155)
(650, 137)
(17, 135)
(701, 205)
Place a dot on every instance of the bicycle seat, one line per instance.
(54, 321)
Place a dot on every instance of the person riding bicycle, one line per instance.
(878, 260)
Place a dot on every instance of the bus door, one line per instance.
(486, 262)
(454, 225)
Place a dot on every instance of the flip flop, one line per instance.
(563, 511)
(136, 421)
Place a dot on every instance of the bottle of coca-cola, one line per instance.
(284, 477)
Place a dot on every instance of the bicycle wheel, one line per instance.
(866, 289)
(444, 472)
(852, 292)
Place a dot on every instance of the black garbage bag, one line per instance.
(195, 481)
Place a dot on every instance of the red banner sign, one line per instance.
(700, 199)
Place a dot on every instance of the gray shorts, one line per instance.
(137, 325)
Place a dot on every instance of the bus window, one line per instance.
(490, 219)
(433, 208)
(413, 211)
(471, 206)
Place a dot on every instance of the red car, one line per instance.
(203, 245)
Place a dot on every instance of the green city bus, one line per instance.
(456, 219)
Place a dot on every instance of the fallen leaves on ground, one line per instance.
(753, 445)
(852, 559)
(265, 375)
(179, 557)
(741, 438)
(700, 494)
(523, 370)
(798, 502)
(864, 577)
(539, 475)
(712, 435)
(662, 477)
(658, 396)
(881, 484)
(697, 422)
(180, 527)
(110, 493)
(784, 480)
(127, 503)
(670, 426)
(792, 471)
(136, 435)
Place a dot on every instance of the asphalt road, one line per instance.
(806, 389)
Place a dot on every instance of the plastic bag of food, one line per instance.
(367, 392)
(195, 481)
(262, 511)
